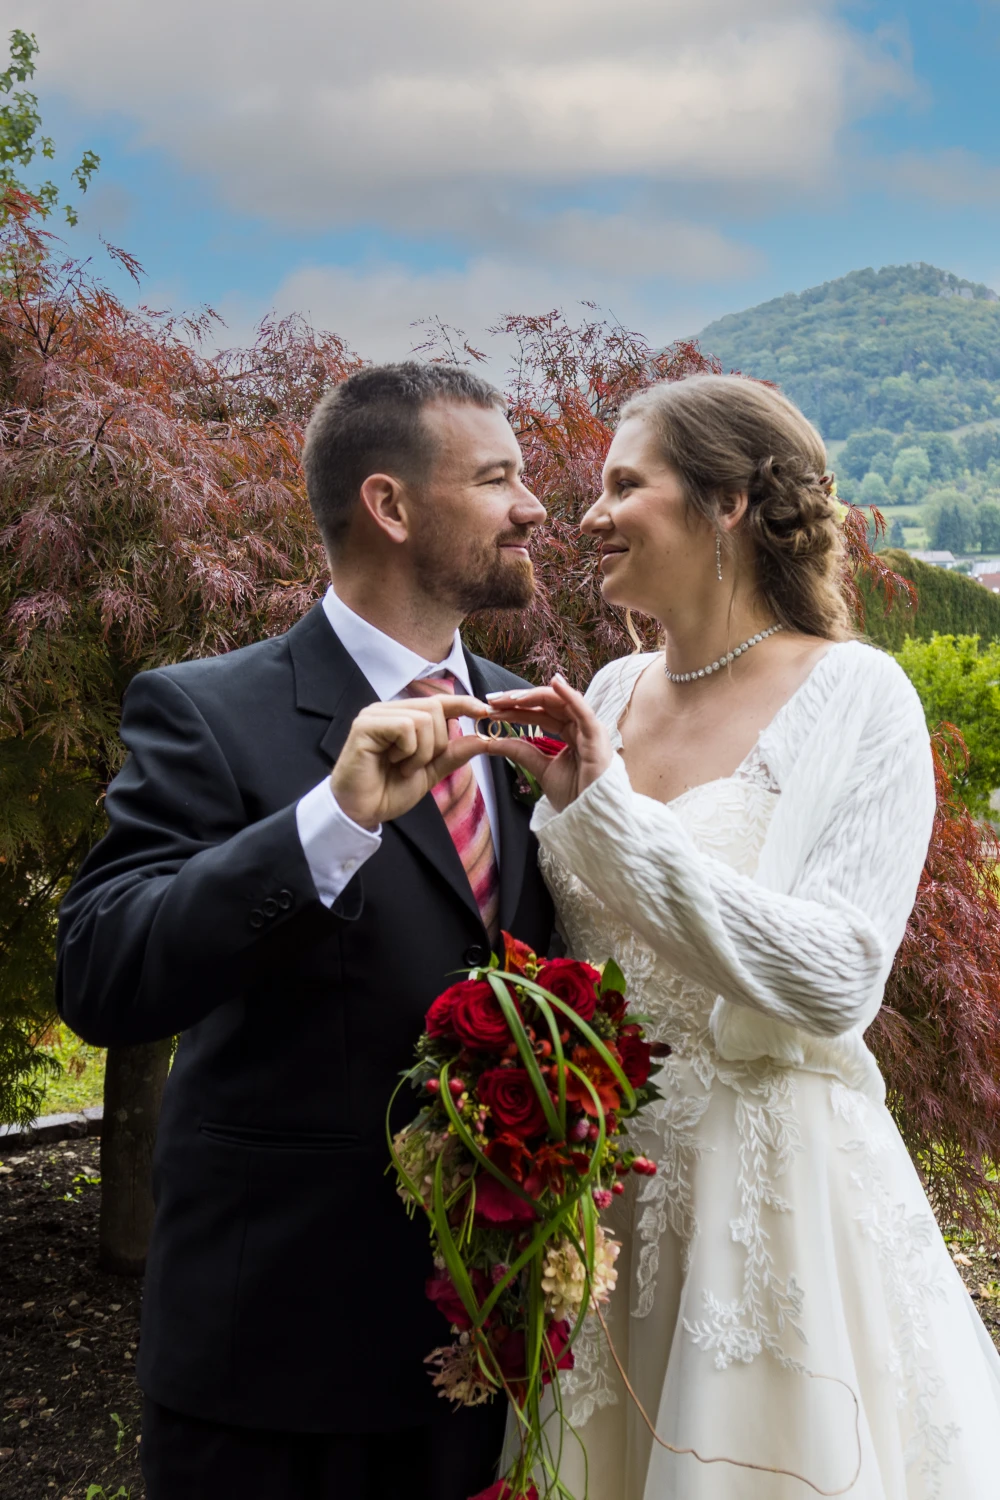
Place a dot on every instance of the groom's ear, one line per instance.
(387, 506)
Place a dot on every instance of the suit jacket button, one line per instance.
(285, 899)
(476, 955)
(269, 907)
(256, 917)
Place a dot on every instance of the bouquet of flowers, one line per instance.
(527, 1074)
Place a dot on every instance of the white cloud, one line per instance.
(417, 115)
(375, 308)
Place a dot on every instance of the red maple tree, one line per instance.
(152, 508)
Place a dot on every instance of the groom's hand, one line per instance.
(397, 751)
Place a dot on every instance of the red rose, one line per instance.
(441, 1291)
(559, 1355)
(476, 1017)
(513, 1103)
(510, 1348)
(635, 1055)
(573, 982)
(438, 1021)
(497, 1205)
(502, 1491)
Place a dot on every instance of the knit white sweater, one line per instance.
(799, 954)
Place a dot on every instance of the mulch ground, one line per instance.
(69, 1333)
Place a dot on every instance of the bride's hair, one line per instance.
(724, 435)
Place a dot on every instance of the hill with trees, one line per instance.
(900, 370)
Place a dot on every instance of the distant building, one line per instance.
(989, 581)
(937, 559)
(986, 565)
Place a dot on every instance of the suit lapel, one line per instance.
(329, 684)
(513, 817)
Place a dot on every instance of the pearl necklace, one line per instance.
(723, 660)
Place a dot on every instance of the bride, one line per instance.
(741, 820)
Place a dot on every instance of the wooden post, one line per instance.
(133, 1088)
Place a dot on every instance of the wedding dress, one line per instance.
(786, 1235)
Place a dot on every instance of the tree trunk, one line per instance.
(133, 1088)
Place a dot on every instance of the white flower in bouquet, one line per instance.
(564, 1279)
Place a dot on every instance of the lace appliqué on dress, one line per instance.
(770, 1304)
(910, 1281)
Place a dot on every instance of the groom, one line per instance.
(298, 861)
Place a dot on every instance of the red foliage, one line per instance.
(152, 508)
(568, 384)
(151, 499)
(937, 1036)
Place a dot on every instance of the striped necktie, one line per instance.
(464, 811)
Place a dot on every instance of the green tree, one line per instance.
(21, 140)
(945, 460)
(859, 453)
(874, 490)
(896, 534)
(911, 469)
(951, 521)
(988, 515)
(958, 680)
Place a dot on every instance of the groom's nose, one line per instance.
(526, 510)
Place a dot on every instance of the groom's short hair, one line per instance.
(371, 423)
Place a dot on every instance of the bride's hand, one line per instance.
(559, 710)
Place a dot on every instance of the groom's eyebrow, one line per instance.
(498, 463)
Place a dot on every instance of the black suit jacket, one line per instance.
(284, 1287)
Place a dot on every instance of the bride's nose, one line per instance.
(596, 520)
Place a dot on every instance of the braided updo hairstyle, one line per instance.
(724, 435)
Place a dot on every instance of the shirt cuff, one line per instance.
(334, 845)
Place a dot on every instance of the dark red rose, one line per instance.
(497, 1205)
(502, 1491)
(438, 1021)
(548, 744)
(441, 1291)
(560, 1355)
(573, 982)
(510, 1348)
(513, 1103)
(635, 1055)
(477, 1019)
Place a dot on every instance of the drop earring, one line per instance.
(718, 556)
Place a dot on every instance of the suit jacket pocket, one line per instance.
(261, 1138)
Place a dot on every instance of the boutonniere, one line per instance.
(526, 786)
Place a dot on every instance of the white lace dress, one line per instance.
(786, 1232)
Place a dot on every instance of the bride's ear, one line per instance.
(732, 509)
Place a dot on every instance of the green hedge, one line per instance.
(949, 603)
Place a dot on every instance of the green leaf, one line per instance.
(612, 978)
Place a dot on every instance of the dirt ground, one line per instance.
(69, 1333)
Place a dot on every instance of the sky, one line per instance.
(372, 164)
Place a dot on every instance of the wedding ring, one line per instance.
(496, 729)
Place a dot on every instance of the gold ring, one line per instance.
(495, 730)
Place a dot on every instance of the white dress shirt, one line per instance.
(334, 845)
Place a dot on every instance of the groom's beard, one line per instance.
(484, 578)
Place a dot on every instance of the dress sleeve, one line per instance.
(816, 959)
